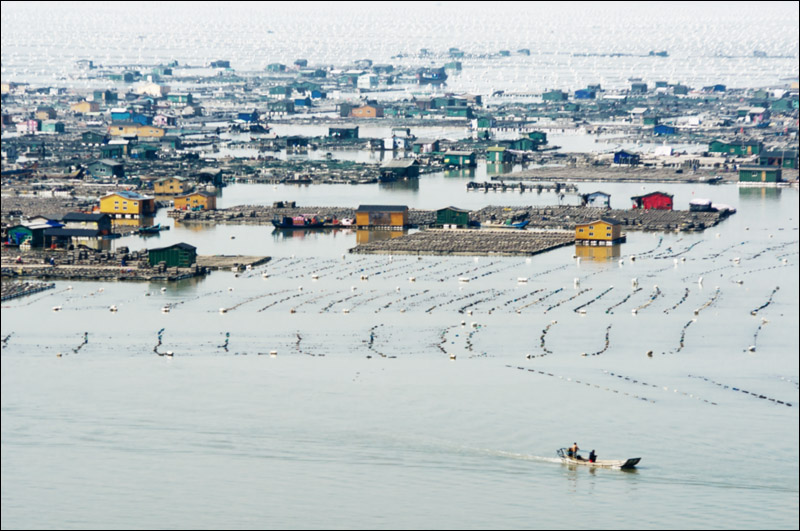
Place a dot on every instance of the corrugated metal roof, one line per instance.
(382, 208)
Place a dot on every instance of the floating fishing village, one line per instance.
(81, 167)
(317, 265)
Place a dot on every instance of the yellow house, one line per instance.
(134, 129)
(196, 201)
(126, 204)
(602, 231)
(171, 186)
(381, 216)
(85, 107)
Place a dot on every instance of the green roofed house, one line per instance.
(740, 149)
(177, 255)
(782, 158)
(555, 95)
(452, 217)
(760, 174)
(460, 158)
(497, 154)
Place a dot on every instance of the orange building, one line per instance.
(196, 201)
(603, 231)
(381, 216)
(367, 111)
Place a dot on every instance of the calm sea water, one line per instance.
(362, 420)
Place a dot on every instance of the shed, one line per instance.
(452, 216)
(625, 157)
(653, 200)
(594, 199)
(177, 255)
(400, 168)
(381, 216)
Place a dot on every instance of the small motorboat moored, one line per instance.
(577, 459)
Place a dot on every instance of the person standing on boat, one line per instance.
(573, 451)
(592, 457)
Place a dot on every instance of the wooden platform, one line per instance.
(228, 262)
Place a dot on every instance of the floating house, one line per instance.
(782, 158)
(177, 255)
(381, 216)
(498, 154)
(760, 174)
(343, 132)
(602, 231)
(653, 200)
(196, 201)
(460, 158)
(452, 217)
(596, 199)
(400, 169)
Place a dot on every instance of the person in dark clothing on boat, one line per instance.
(592, 457)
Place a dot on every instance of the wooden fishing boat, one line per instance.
(577, 459)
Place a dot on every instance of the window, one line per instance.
(591, 234)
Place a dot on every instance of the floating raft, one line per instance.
(468, 242)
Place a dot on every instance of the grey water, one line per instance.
(362, 419)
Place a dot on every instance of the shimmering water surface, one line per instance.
(362, 420)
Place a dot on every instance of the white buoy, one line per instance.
(397, 289)
(353, 288)
(634, 311)
(621, 262)
(700, 281)
(292, 310)
(264, 275)
(113, 308)
(578, 260)
(632, 258)
(463, 279)
(299, 288)
(223, 310)
(163, 290)
(453, 357)
(169, 353)
(412, 279)
(576, 282)
(634, 282)
(345, 310)
(56, 308)
(522, 280)
(273, 353)
(165, 309)
(230, 289)
(582, 311)
(736, 260)
(314, 277)
(751, 348)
